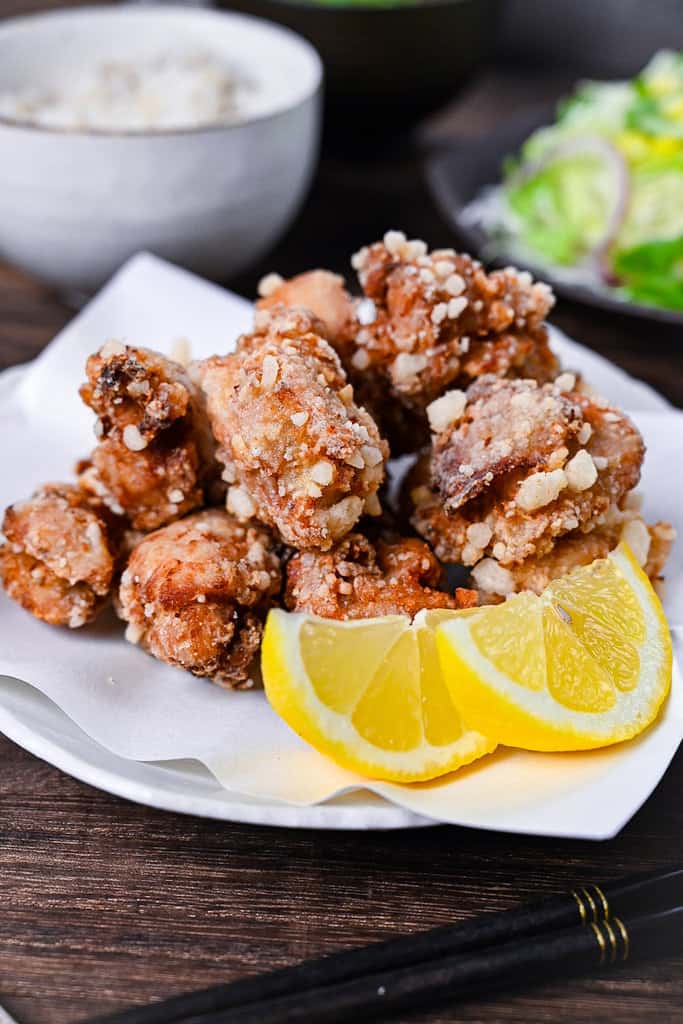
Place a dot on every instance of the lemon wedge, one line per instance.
(368, 693)
(586, 664)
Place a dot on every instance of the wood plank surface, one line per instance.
(105, 903)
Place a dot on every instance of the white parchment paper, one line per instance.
(143, 710)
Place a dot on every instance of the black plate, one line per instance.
(456, 175)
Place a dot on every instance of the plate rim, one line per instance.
(381, 816)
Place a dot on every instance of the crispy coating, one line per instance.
(662, 538)
(441, 321)
(195, 594)
(321, 293)
(651, 546)
(154, 456)
(505, 425)
(300, 455)
(359, 580)
(524, 355)
(60, 554)
(522, 465)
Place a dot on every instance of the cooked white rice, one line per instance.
(168, 91)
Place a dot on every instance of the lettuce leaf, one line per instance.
(657, 107)
(652, 273)
(655, 207)
(562, 211)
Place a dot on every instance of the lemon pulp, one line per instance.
(369, 693)
(586, 664)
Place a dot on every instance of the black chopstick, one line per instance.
(572, 951)
(583, 905)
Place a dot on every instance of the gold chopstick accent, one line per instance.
(612, 941)
(601, 942)
(580, 905)
(594, 909)
(603, 900)
(624, 936)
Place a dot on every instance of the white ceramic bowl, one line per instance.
(75, 204)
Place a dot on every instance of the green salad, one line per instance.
(600, 192)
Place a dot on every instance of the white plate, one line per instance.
(109, 715)
(36, 724)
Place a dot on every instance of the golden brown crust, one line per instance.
(506, 425)
(60, 554)
(526, 355)
(508, 482)
(651, 546)
(155, 453)
(662, 537)
(45, 595)
(358, 580)
(300, 455)
(195, 594)
(440, 321)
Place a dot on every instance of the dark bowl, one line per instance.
(388, 66)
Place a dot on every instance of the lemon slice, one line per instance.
(586, 664)
(368, 693)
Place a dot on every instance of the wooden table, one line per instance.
(104, 903)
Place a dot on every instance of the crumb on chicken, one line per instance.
(441, 321)
(651, 546)
(195, 594)
(154, 455)
(358, 579)
(60, 554)
(299, 454)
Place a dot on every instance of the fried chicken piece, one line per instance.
(359, 580)
(300, 455)
(321, 293)
(651, 546)
(195, 594)
(439, 320)
(515, 465)
(662, 538)
(527, 356)
(60, 554)
(155, 457)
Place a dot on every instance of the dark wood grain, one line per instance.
(105, 903)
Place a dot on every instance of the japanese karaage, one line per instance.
(299, 454)
(60, 554)
(358, 579)
(523, 473)
(154, 456)
(525, 482)
(195, 594)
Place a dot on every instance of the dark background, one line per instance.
(104, 903)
